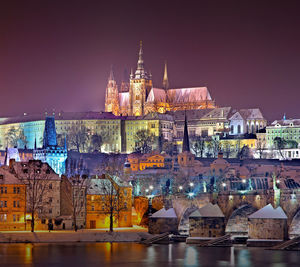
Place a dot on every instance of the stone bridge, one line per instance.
(237, 206)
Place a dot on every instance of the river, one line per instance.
(132, 254)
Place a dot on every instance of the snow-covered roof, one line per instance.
(208, 210)
(163, 213)
(268, 212)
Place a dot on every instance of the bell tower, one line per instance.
(140, 86)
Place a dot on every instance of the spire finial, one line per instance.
(165, 79)
(111, 74)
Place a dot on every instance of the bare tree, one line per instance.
(227, 148)
(143, 141)
(96, 141)
(215, 146)
(168, 147)
(78, 138)
(280, 144)
(73, 193)
(198, 146)
(260, 147)
(15, 137)
(38, 178)
(115, 198)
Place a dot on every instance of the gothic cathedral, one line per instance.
(139, 98)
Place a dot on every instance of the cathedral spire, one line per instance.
(186, 141)
(111, 74)
(165, 79)
(140, 65)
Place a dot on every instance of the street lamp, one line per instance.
(191, 184)
(224, 184)
(180, 187)
(191, 194)
(151, 187)
(244, 181)
(147, 190)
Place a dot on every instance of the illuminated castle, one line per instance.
(139, 97)
(51, 153)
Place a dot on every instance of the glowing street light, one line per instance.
(191, 184)
(224, 184)
(147, 190)
(191, 194)
(244, 181)
(151, 187)
(278, 181)
(180, 187)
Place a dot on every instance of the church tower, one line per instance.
(140, 86)
(112, 95)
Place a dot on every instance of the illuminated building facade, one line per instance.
(98, 204)
(12, 202)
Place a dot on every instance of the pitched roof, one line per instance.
(251, 113)
(7, 177)
(194, 94)
(208, 210)
(163, 213)
(268, 212)
(156, 95)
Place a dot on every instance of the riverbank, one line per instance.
(120, 235)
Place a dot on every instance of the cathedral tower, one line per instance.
(112, 95)
(140, 86)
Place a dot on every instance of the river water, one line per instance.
(132, 254)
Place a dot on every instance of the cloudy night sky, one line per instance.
(57, 54)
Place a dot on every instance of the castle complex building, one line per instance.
(140, 97)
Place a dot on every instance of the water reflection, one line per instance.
(131, 254)
(191, 257)
(28, 253)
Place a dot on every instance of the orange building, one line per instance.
(12, 201)
(140, 162)
(102, 195)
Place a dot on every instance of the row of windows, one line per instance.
(3, 217)
(16, 204)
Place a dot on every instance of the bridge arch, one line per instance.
(184, 225)
(294, 229)
(237, 223)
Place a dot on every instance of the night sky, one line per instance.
(57, 54)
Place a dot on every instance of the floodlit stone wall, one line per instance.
(162, 225)
(207, 226)
(268, 228)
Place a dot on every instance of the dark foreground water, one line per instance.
(130, 254)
